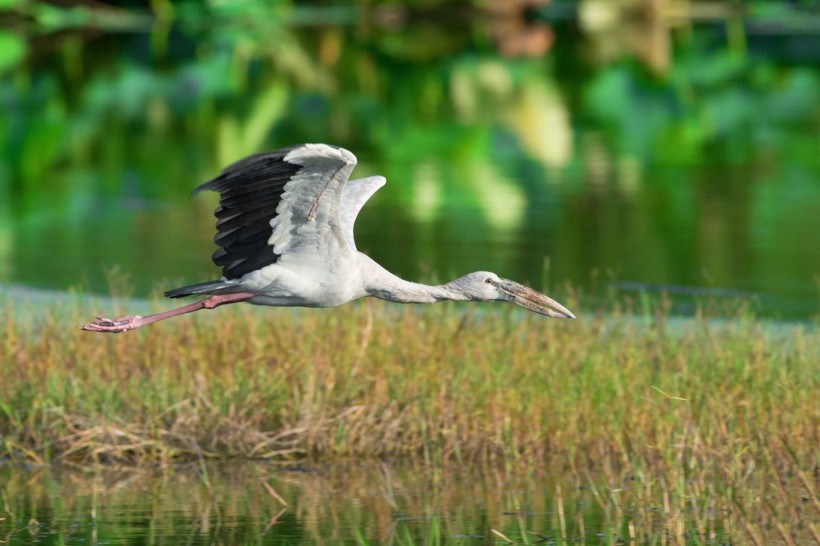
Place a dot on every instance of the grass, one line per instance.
(715, 423)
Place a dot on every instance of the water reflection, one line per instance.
(695, 168)
(358, 503)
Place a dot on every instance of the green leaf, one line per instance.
(12, 49)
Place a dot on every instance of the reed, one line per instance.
(714, 422)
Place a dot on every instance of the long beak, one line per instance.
(534, 301)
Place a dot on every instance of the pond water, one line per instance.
(692, 168)
(362, 503)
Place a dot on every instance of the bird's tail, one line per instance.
(211, 287)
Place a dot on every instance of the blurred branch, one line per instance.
(50, 17)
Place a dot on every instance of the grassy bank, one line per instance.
(720, 418)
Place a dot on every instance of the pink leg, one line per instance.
(132, 322)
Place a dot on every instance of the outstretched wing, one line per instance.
(274, 203)
(354, 195)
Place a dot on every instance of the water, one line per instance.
(222, 505)
(361, 503)
(694, 171)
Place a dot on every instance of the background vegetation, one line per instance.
(674, 152)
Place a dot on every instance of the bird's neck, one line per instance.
(386, 286)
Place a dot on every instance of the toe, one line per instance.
(115, 326)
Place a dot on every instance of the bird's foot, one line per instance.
(116, 326)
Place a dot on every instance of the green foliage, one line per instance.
(542, 169)
(110, 144)
(12, 50)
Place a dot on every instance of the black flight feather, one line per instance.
(250, 190)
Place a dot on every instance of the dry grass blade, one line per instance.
(502, 536)
(272, 492)
(815, 532)
(273, 521)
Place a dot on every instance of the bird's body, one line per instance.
(285, 237)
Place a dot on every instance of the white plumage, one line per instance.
(354, 196)
(285, 237)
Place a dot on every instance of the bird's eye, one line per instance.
(488, 280)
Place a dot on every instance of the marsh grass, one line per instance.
(711, 424)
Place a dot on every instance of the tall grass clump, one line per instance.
(717, 419)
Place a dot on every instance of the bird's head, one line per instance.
(487, 286)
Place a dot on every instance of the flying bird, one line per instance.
(285, 235)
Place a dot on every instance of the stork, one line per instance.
(285, 236)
